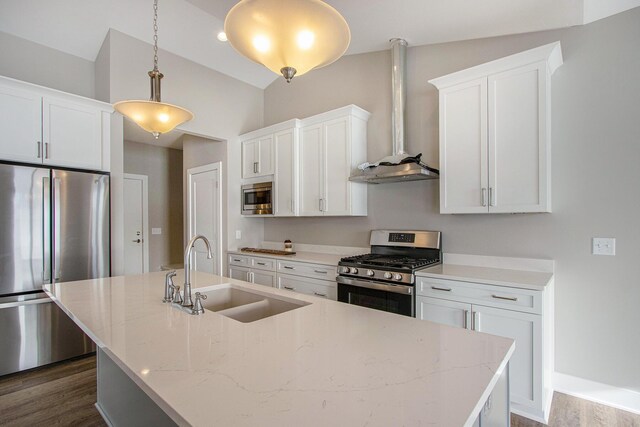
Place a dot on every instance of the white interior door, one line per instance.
(136, 223)
(205, 215)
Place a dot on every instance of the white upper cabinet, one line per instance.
(332, 145)
(72, 134)
(41, 125)
(286, 170)
(310, 162)
(495, 134)
(258, 157)
(20, 125)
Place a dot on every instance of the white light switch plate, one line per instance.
(156, 231)
(604, 246)
(238, 234)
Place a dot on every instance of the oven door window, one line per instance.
(376, 299)
(257, 197)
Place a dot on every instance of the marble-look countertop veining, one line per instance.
(327, 363)
(311, 257)
(532, 280)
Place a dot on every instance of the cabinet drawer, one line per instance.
(315, 271)
(319, 288)
(477, 293)
(263, 264)
(239, 260)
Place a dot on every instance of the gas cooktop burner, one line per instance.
(390, 261)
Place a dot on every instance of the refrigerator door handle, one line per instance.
(55, 243)
(8, 303)
(46, 230)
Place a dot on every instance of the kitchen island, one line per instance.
(324, 363)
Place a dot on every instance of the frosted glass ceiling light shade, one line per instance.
(289, 37)
(154, 116)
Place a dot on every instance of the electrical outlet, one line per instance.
(156, 231)
(238, 234)
(604, 246)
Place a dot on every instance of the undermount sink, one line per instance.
(245, 305)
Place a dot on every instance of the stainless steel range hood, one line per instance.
(400, 166)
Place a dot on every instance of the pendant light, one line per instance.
(289, 37)
(154, 115)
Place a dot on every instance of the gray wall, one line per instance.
(163, 166)
(595, 151)
(41, 65)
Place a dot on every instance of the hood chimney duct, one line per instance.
(399, 94)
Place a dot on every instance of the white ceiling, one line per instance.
(188, 27)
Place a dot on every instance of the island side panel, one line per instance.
(121, 402)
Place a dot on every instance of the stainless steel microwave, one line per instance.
(257, 199)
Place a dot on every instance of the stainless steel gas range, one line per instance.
(385, 278)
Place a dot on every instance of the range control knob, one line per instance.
(344, 269)
(353, 270)
(387, 275)
(370, 273)
(397, 276)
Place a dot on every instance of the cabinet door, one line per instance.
(20, 126)
(239, 273)
(519, 140)
(265, 278)
(310, 173)
(72, 134)
(526, 363)
(445, 312)
(250, 158)
(285, 182)
(463, 148)
(266, 156)
(336, 164)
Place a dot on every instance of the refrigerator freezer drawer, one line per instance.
(34, 332)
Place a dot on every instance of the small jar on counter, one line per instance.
(288, 246)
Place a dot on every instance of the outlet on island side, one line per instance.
(603, 246)
(238, 234)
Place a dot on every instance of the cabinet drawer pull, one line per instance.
(289, 288)
(319, 294)
(320, 271)
(506, 298)
(441, 289)
(261, 263)
(288, 267)
(237, 260)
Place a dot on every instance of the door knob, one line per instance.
(137, 241)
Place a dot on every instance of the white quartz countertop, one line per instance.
(324, 364)
(532, 280)
(311, 257)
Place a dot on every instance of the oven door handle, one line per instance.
(398, 289)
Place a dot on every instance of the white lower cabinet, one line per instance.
(260, 271)
(319, 288)
(522, 315)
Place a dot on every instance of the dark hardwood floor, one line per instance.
(64, 395)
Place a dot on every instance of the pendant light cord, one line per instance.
(155, 35)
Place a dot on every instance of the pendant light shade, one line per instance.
(154, 116)
(289, 37)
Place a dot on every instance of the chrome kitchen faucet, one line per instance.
(187, 301)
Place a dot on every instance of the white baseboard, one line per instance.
(103, 414)
(627, 400)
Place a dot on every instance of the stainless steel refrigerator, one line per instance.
(54, 227)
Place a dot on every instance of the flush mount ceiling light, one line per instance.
(289, 37)
(154, 116)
